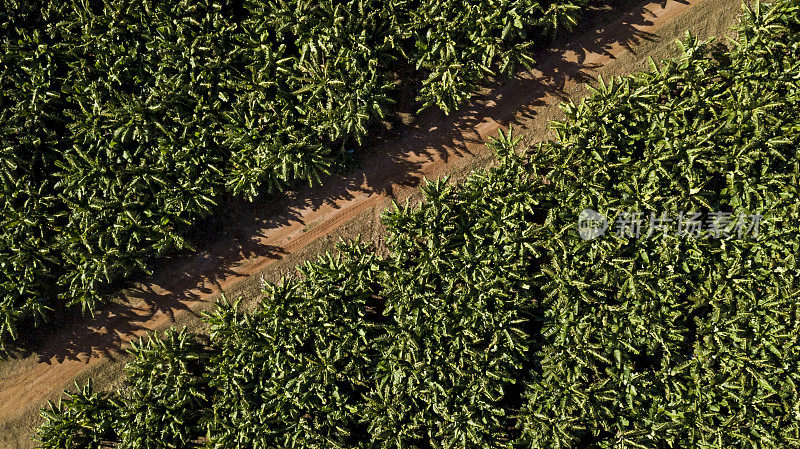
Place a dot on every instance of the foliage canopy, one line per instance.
(123, 122)
(491, 323)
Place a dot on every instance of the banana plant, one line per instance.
(487, 321)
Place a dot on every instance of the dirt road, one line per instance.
(431, 148)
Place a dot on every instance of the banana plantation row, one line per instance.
(123, 122)
(492, 324)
